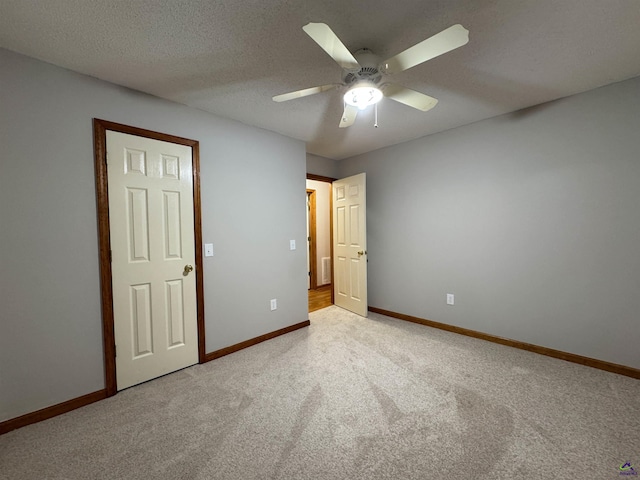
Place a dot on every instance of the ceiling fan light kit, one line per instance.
(363, 75)
(363, 94)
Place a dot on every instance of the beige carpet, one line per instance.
(348, 398)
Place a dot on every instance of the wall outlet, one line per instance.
(450, 299)
(274, 304)
(208, 249)
(292, 244)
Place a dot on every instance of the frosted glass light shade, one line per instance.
(362, 96)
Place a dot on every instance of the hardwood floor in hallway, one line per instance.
(320, 298)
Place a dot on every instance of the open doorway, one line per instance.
(320, 246)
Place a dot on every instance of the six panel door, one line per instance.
(153, 257)
(350, 243)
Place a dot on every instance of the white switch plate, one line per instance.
(450, 299)
(208, 249)
(292, 244)
(274, 304)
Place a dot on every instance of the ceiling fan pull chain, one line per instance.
(375, 106)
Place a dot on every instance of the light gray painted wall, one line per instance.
(322, 166)
(253, 183)
(531, 219)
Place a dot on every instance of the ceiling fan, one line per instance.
(363, 73)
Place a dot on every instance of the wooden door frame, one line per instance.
(100, 128)
(329, 180)
(313, 251)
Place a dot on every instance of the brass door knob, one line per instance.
(362, 252)
(187, 269)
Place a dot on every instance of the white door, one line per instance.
(350, 243)
(153, 256)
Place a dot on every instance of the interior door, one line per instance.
(153, 256)
(350, 243)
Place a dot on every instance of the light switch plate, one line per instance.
(450, 299)
(292, 244)
(208, 249)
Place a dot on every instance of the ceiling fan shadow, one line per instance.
(529, 111)
(500, 93)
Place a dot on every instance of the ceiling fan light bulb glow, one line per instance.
(362, 96)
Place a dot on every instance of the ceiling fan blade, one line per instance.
(443, 42)
(348, 116)
(409, 97)
(330, 43)
(304, 93)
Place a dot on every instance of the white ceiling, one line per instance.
(229, 57)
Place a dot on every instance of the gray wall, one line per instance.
(531, 219)
(253, 183)
(322, 166)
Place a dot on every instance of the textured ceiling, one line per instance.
(229, 57)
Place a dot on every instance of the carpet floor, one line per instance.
(348, 398)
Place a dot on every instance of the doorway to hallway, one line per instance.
(320, 247)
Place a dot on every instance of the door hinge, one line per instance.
(309, 273)
(308, 239)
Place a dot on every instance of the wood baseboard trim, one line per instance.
(550, 352)
(253, 341)
(64, 407)
(53, 411)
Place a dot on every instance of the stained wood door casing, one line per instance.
(312, 255)
(152, 241)
(350, 243)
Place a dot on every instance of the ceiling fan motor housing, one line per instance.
(369, 68)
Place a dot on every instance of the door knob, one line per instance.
(187, 269)
(362, 252)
